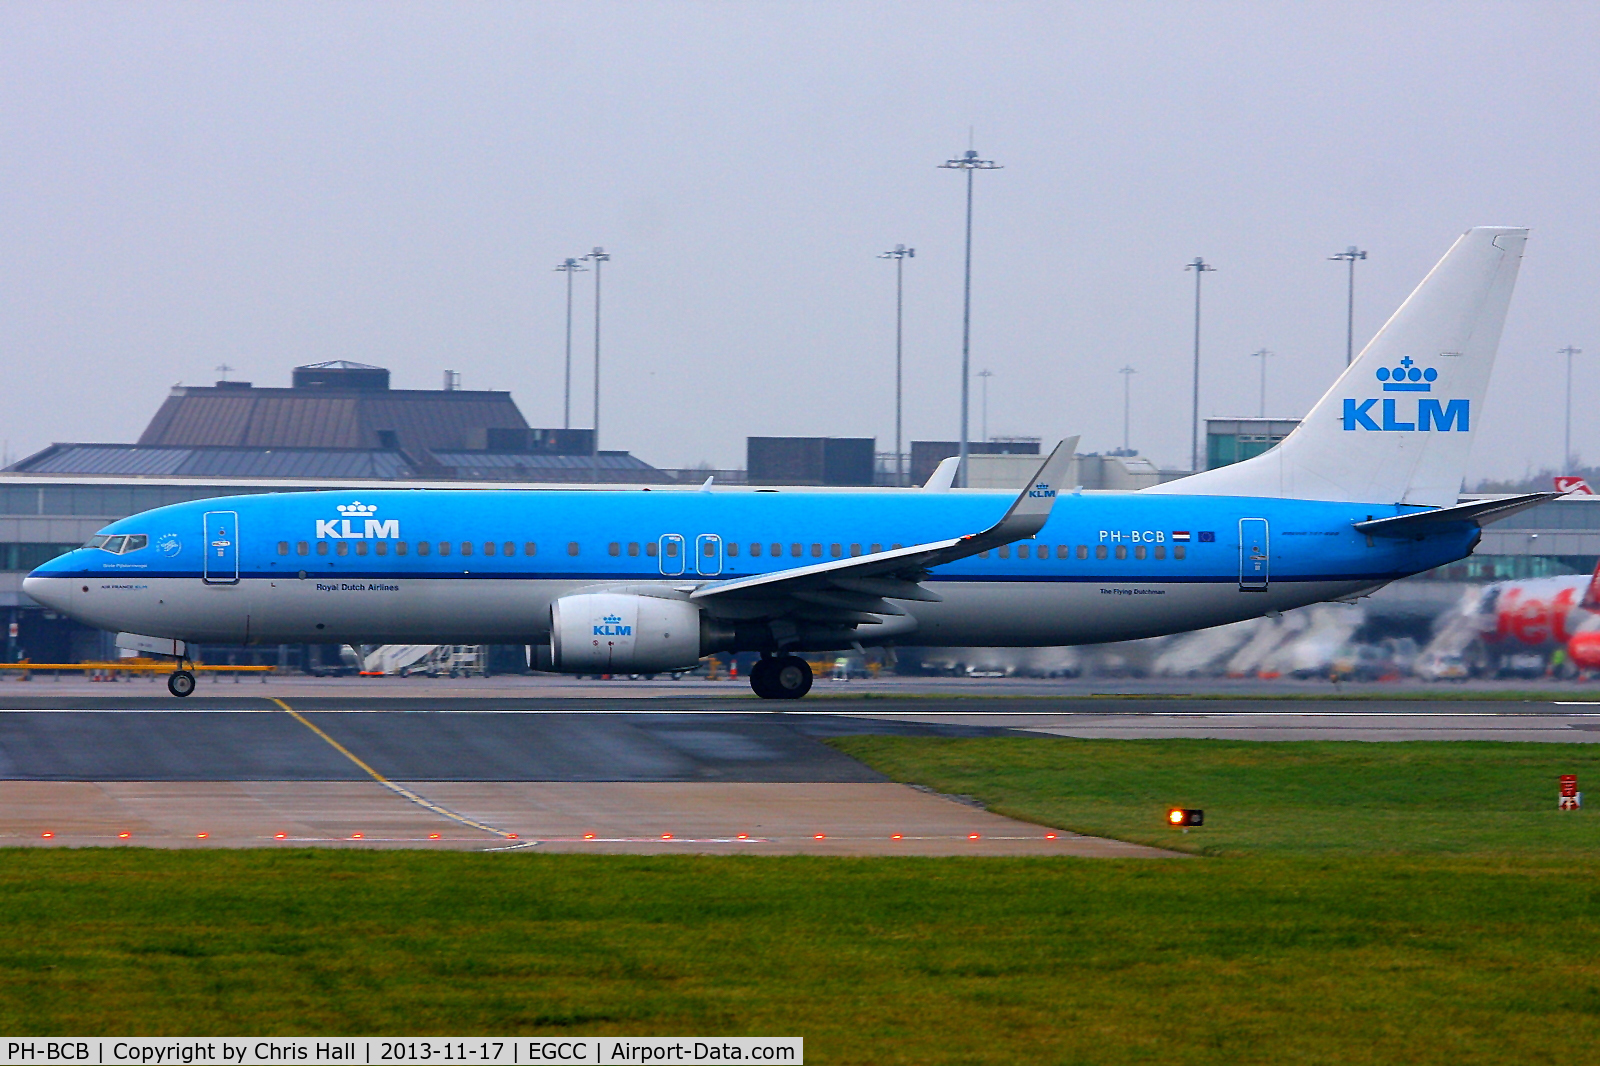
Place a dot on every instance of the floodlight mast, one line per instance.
(1263, 355)
(597, 257)
(569, 267)
(1199, 266)
(969, 163)
(1566, 449)
(900, 254)
(1127, 373)
(1349, 255)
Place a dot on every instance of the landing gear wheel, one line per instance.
(791, 677)
(761, 682)
(180, 683)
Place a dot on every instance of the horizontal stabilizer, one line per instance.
(1478, 513)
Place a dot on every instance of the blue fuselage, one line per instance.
(460, 566)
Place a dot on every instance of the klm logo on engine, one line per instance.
(1041, 491)
(1424, 415)
(611, 626)
(367, 528)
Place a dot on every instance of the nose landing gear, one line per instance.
(180, 683)
(787, 677)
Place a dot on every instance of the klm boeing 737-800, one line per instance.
(643, 581)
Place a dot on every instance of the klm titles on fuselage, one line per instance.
(374, 528)
(1426, 415)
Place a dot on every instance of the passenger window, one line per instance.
(633, 549)
(983, 555)
(796, 550)
(508, 549)
(1083, 551)
(322, 547)
(1022, 551)
(755, 551)
(855, 549)
(894, 546)
(1140, 552)
(139, 540)
(530, 548)
(1161, 551)
(1100, 551)
(424, 547)
(1179, 551)
(361, 547)
(614, 548)
(876, 548)
(572, 547)
(1004, 551)
(343, 548)
(382, 547)
(835, 550)
(466, 547)
(1063, 551)
(650, 549)
(672, 549)
(1122, 551)
(733, 548)
(399, 547)
(283, 547)
(709, 548)
(777, 550)
(302, 548)
(444, 547)
(816, 551)
(488, 547)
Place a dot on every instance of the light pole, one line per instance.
(969, 163)
(1199, 266)
(597, 257)
(985, 374)
(1566, 453)
(1127, 373)
(1263, 355)
(1349, 255)
(569, 267)
(900, 254)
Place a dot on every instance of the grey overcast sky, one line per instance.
(267, 184)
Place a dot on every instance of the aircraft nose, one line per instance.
(54, 591)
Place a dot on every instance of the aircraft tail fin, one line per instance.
(1397, 425)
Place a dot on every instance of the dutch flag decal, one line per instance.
(1180, 534)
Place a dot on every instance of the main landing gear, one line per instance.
(180, 682)
(787, 677)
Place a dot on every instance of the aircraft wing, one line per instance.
(851, 591)
(1478, 513)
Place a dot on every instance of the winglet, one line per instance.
(1031, 509)
(707, 486)
(943, 476)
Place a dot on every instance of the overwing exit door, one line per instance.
(221, 545)
(1253, 554)
(669, 554)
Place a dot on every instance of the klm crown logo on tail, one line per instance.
(611, 626)
(1397, 416)
(355, 510)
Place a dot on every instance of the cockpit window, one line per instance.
(118, 545)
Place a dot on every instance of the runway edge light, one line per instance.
(1184, 817)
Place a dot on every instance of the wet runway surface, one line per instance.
(643, 775)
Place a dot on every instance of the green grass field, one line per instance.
(1438, 909)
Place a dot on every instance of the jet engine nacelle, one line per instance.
(618, 633)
